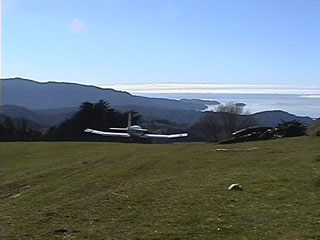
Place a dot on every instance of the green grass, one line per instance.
(166, 191)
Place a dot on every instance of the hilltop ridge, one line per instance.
(52, 95)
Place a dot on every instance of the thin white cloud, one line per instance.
(311, 96)
(76, 26)
(215, 88)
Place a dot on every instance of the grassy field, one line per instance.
(168, 191)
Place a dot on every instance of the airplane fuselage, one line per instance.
(136, 131)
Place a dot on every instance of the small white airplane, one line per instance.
(134, 131)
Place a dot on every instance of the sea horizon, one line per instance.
(301, 100)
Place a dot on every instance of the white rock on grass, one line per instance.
(235, 186)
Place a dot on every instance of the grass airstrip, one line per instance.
(81, 190)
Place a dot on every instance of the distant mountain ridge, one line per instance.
(53, 95)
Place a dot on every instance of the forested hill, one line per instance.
(53, 95)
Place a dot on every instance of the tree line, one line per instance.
(18, 130)
(90, 115)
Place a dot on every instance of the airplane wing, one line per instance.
(166, 136)
(106, 134)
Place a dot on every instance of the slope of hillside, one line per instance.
(155, 113)
(169, 191)
(272, 118)
(35, 95)
(47, 117)
(314, 127)
(17, 121)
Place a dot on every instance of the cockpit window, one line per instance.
(135, 127)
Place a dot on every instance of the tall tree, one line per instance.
(219, 124)
(98, 116)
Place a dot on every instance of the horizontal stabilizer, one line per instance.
(142, 130)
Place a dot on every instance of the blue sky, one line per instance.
(162, 41)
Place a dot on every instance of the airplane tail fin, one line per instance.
(129, 120)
